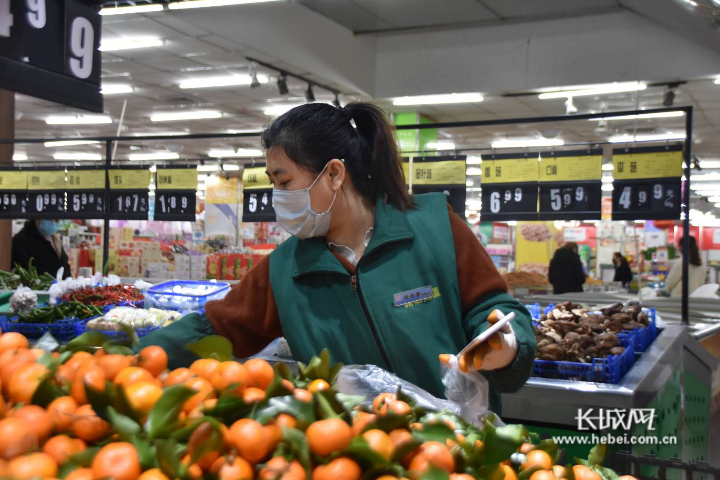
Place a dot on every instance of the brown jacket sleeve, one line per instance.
(247, 316)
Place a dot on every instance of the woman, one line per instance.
(566, 271)
(622, 269)
(39, 240)
(371, 273)
(696, 272)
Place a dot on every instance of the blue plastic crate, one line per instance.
(644, 336)
(81, 327)
(62, 330)
(162, 295)
(534, 310)
(601, 370)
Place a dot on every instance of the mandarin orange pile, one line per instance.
(97, 411)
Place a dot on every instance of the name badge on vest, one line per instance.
(415, 296)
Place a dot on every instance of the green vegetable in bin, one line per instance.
(19, 276)
(62, 311)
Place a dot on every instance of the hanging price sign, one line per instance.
(176, 194)
(509, 187)
(571, 186)
(647, 183)
(443, 174)
(85, 193)
(129, 194)
(257, 196)
(46, 194)
(13, 193)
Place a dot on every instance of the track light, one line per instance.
(336, 102)
(309, 94)
(570, 107)
(669, 98)
(254, 83)
(282, 84)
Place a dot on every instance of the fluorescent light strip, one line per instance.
(439, 99)
(226, 81)
(131, 9)
(77, 119)
(599, 90)
(473, 160)
(440, 146)
(531, 142)
(114, 89)
(185, 115)
(152, 134)
(647, 138)
(277, 110)
(717, 81)
(607, 187)
(208, 168)
(115, 44)
(19, 157)
(154, 156)
(641, 116)
(231, 168)
(67, 143)
(713, 199)
(473, 171)
(211, 3)
(709, 164)
(608, 167)
(77, 156)
(607, 179)
(240, 153)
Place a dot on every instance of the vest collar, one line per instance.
(313, 256)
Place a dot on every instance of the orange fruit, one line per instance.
(328, 436)
(543, 475)
(13, 341)
(399, 436)
(33, 465)
(360, 422)
(88, 426)
(397, 406)
(142, 395)
(10, 361)
(205, 367)
(526, 448)
(64, 374)
(152, 474)
(153, 359)
(118, 461)
(279, 468)
(302, 395)
(62, 447)
(130, 375)
(539, 458)
(260, 373)
(113, 364)
(392, 477)
(37, 418)
(432, 453)
(381, 400)
(81, 474)
(627, 477)
(559, 471)
(200, 409)
(16, 438)
(508, 472)
(77, 359)
(249, 437)
(285, 420)
(25, 381)
(287, 384)
(178, 376)
(88, 376)
(194, 470)
(253, 395)
(200, 436)
(238, 469)
(380, 442)
(318, 385)
(61, 411)
(204, 389)
(461, 476)
(585, 473)
(228, 374)
(338, 469)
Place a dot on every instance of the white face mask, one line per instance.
(295, 215)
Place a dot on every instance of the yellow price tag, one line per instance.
(255, 178)
(135, 179)
(448, 172)
(510, 170)
(568, 169)
(13, 180)
(177, 179)
(46, 180)
(86, 179)
(647, 165)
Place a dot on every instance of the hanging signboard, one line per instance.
(509, 187)
(50, 49)
(176, 194)
(647, 183)
(46, 193)
(85, 192)
(443, 174)
(129, 194)
(13, 193)
(257, 196)
(571, 185)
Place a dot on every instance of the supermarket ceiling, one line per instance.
(380, 49)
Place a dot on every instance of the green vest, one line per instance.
(321, 305)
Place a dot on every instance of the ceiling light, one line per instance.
(440, 146)
(336, 102)
(713, 199)
(240, 153)
(231, 168)
(598, 90)
(153, 169)
(77, 156)
(607, 167)
(164, 134)
(245, 130)
(607, 187)
(309, 94)
(639, 221)
(154, 156)
(641, 115)
(469, 183)
(282, 85)
(530, 142)
(706, 177)
(717, 81)
(67, 143)
(691, 2)
(277, 110)
(607, 179)
(19, 157)
(473, 171)
(129, 43)
(131, 9)
(704, 186)
(208, 168)
(185, 115)
(646, 138)
(77, 119)
(439, 99)
(114, 89)
(709, 164)
(474, 160)
(224, 81)
(211, 3)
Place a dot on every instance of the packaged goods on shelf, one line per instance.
(231, 266)
(522, 278)
(134, 318)
(184, 296)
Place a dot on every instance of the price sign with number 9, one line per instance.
(82, 40)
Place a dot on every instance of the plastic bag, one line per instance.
(23, 301)
(277, 351)
(708, 290)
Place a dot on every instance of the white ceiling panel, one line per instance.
(525, 8)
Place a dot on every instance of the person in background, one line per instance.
(39, 240)
(566, 271)
(696, 272)
(622, 269)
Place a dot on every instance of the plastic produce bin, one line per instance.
(184, 295)
(81, 327)
(62, 330)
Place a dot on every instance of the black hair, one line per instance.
(694, 258)
(313, 134)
